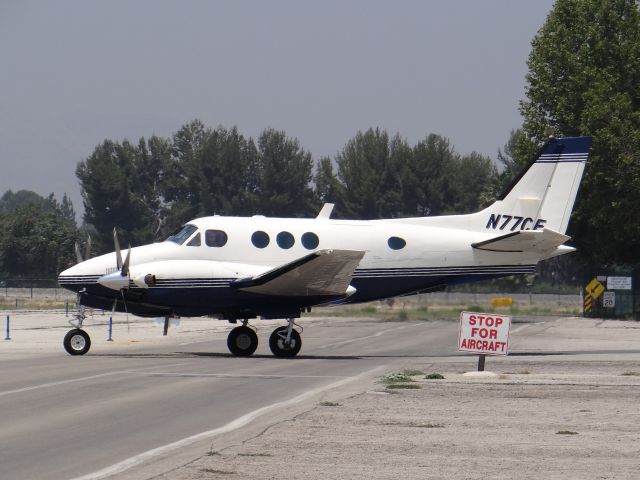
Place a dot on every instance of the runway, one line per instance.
(64, 417)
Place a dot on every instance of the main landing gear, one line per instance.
(284, 342)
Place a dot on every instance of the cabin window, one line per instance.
(310, 240)
(285, 240)
(182, 234)
(195, 241)
(260, 239)
(215, 238)
(396, 243)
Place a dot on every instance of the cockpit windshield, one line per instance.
(182, 234)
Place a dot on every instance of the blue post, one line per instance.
(66, 308)
(8, 337)
(110, 329)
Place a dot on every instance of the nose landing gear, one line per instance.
(77, 341)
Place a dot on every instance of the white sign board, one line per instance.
(484, 333)
(609, 299)
(618, 283)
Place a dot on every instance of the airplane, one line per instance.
(240, 268)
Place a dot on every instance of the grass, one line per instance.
(631, 374)
(255, 455)
(566, 432)
(402, 379)
(330, 404)
(8, 303)
(414, 309)
(216, 472)
(403, 386)
(413, 425)
(434, 376)
(212, 452)
(397, 377)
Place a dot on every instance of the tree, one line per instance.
(584, 79)
(10, 202)
(328, 187)
(371, 168)
(116, 193)
(434, 159)
(283, 176)
(37, 242)
(472, 175)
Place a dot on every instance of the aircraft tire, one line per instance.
(277, 346)
(77, 342)
(242, 341)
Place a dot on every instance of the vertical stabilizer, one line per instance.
(542, 196)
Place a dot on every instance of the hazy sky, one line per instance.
(74, 72)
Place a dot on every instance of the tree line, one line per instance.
(150, 188)
(583, 79)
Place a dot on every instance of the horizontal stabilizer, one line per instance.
(321, 273)
(542, 241)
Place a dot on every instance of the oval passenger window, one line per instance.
(310, 240)
(285, 240)
(396, 243)
(260, 239)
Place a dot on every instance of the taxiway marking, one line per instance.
(239, 422)
(76, 380)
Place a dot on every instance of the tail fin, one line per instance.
(542, 196)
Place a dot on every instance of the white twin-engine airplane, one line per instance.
(238, 268)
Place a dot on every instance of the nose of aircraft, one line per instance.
(69, 272)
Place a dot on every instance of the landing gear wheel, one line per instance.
(277, 343)
(242, 341)
(77, 342)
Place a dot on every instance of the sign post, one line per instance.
(484, 334)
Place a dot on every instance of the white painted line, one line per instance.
(75, 380)
(228, 375)
(375, 335)
(233, 425)
(520, 328)
(55, 384)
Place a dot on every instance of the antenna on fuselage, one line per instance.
(325, 212)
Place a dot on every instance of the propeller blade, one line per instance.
(115, 304)
(126, 311)
(87, 249)
(78, 254)
(125, 265)
(117, 245)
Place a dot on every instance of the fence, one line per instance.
(612, 294)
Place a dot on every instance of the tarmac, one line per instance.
(562, 405)
(565, 406)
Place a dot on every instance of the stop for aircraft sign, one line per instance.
(484, 333)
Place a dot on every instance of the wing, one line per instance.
(544, 242)
(321, 273)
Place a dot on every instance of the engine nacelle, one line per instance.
(144, 280)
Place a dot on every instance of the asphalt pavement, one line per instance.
(71, 417)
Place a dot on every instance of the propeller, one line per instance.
(87, 251)
(116, 243)
(118, 280)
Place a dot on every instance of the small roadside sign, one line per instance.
(609, 299)
(619, 283)
(484, 333)
(594, 288)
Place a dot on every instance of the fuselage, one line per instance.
(190, 274)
